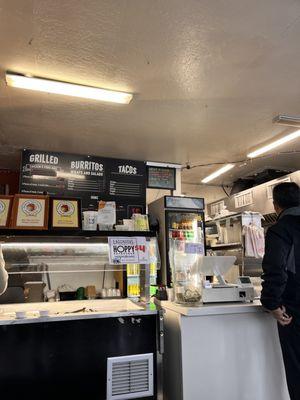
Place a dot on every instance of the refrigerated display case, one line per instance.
(52, 262)
(181, 219)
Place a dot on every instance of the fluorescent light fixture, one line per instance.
(217, 173)
(66, 89)
(273, 145)
(288, 120)
(51, 244)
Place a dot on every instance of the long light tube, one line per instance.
(67, 89)
(217, 173)
(287, 120)
(273, 145)
(51, 244)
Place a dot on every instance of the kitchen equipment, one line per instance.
(217, 266)
(80, 293)
(50, 295)
(230, 231)
(69, 262)
(180, 218)
(34, 291)
(67, 295)
(13, 295)
(90, 292)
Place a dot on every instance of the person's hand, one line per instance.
(280, 315)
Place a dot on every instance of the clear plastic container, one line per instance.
(186, 276)
(141, 222)
(90, 220)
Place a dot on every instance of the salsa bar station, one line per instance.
(112, 298)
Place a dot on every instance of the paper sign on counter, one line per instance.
(128, 250)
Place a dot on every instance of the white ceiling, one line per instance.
(209, 76)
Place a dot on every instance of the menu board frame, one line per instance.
(87, 177)
(16, 209)
(4, 199)
(54, 214)
(151, 186)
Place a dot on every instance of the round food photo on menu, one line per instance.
(65, 213)
(65, 208)
(31, 207)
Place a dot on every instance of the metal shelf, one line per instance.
(184, 230)
(72, 233)
(225, 246)
(226, 217)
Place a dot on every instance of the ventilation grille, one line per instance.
(130, 377)
(269, 219)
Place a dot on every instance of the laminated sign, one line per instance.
(194, 248)
(128, 250)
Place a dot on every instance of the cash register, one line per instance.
(221, 291)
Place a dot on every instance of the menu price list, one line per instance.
(89, 178)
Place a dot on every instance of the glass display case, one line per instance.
(52, 268)
(181, 219)
(185, 260)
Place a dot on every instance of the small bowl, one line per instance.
(44, 313)
(20, 314)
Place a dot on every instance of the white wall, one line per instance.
(210, 193)
(154, 194)
(81, 279)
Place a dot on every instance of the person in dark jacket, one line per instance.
(281, 278)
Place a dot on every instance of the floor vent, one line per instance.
(130, 377)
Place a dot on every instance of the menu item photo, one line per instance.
(30, 212)
(5, 210)
(65, 213)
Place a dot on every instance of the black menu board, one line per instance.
(89, 178)
(161, 178)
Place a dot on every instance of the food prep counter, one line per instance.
(12, 314)
(83, 349)
(222, 352)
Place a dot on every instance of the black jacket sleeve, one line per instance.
(274, 263)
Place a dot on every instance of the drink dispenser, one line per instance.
(185, 260)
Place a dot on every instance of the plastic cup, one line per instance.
(90, 220)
